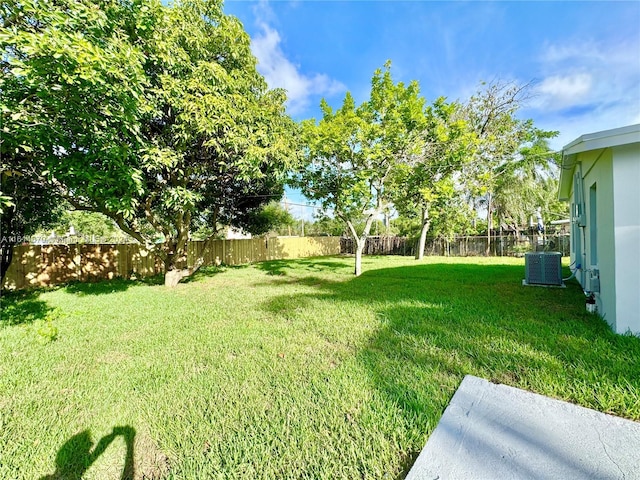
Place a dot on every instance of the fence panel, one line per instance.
(35, 265)
(500, 246)
(38, 266)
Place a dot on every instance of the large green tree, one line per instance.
(27, 204)
(424, 179)
(351, 153)
(502, 136)
(63, 70)
(528, 184)
(152, 115)
(335, 170)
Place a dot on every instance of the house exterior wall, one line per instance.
(575, 240)
(576, 247)
(626, 181)
(610, 222)
(597, 171)
(580, 239)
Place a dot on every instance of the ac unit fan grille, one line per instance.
(543, 268)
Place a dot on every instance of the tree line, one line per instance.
(156, 117)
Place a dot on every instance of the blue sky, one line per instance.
(582, 57)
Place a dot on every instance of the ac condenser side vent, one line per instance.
(543, 268)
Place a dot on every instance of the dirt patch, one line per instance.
(507, 378)
(150, 463)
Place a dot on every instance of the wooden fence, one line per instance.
(501, 246)
(37, 266)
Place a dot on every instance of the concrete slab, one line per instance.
(491, 431)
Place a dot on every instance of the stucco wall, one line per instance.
(575, 242)
(626, 181)
(610, 159)
(600, 173)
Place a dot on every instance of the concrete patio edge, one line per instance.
(492, 431)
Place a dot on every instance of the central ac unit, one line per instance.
(543, 268)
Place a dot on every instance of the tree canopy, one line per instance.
(352, 152)
(154, 116)
(509, 149)
(444, 144)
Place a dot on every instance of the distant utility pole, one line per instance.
(286, 207)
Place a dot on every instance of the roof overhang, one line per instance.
(592, 141)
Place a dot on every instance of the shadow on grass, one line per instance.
(310, 281)
(22, 307)
(440, 322)
(76, 455)
(280, 267)
(105, 287)
(479, 320)
(210, 271)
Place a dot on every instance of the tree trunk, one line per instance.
(359, 250)
(426, 223)
(175, 263)
(360, 240)
(173, 275)
(6, 255)
(9, 234)
(489, 224)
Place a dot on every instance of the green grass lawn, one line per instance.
(287, 369)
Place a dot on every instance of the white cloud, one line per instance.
(280, 72)
(588, 86)
(603, 72)
(562, 91)
(572, 51)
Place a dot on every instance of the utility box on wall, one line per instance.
(543, 268)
